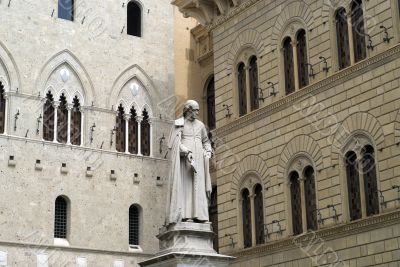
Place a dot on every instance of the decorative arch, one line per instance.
(294, 11)
(123, 103)
(248, 165)
(134, 105)
(358, 122)
(9, 72)
(302, 144)
(68, 58)
(245, 39)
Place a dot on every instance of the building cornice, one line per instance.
(337, 78)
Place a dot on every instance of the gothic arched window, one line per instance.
(48, 118)
(353, 186)
(242, 89)
(62, 120)
(357, 21)
(310, 198)
(134, 19)
(295, 196)
(61, 217)
(254, 88)
(134, 222)
(120, 130)
(76, 122)
(246, 218)
(342, 38)
(211, 103)
(145, 133)
(302, 67)
(259, 214)
(66, 9)
(2, 108)
(133, 133)
(370, 181)
(288, 66)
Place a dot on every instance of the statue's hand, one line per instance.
(189, 156)
(208, 154)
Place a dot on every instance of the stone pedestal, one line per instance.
(187, 244)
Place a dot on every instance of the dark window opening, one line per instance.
(310, 198)
(246, 218)
(62, 120)
(254, 88)
(288, 66)
(295, 194)
(342, 38)
(133, 225)
(370, 181)
(242, 89)
(211, 103)
(48, 118)
(213, 211)
(66, 9)
(145, 133)
(134, 21)
(259, 214)
(76, 122)
(353, 186)
(2, 108)
(357, 21)
(302, 67)
(133, 133)
(61, 218)
(120, 130)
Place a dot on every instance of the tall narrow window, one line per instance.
(288, 66)
(134, 21)
(310, 198)
(353, 186)
(62, 120)
(211, 104)
(302, 66)
(357, 21)
(66, 9)
(242, 89)
(76, 119)
(2, 108)
(61, 218)
(213, 211)
(295, 194)
(254, 88)
(370, 181)
(259, 214)
(342, 38)
(120, 130)
(246, 218)
(48, 118)
(133, 225)
(145, 133)
(133, 133)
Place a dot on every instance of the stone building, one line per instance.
(307, 102)
(85, 106)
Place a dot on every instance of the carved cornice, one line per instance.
(326, 234)
(338, 78)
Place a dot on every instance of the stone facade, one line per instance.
(314, 126)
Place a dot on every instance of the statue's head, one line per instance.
(191, 110)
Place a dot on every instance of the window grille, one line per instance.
(48, 118)
(76, 119)
(370, 181)
(213, 211)
(62, 120)
(134, 19)
(295, 194)
(2, 108)
(133, 133)
(302, 67)
(353, 186)
(60, 218)
(289, 66)
(246, 218)
(254, 88)
(242, 89)
(310, 198)
(211, 104)
(134, 225)
(259, 214)
(66, 9)
(120, 131)
(342, 38)
(357, 20)
(145, 134)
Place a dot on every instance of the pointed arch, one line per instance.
(148, 109)
(11, 77)
(121, 102)
(79, 96)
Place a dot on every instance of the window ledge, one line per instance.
(62, 242)
(135, 248)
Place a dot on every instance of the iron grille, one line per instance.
(133, 225)
(246, 217)
(342, 38)
(253, 74)
(145, 132)
(133, 133)
(62, 120)
(76, 119)
(289, 66)
(259, 214)
(242, 89)
(370, 182)
(48, 118)
(353, 186)
(2, 108)
(60, 218)
(310, 198)
(295, 194)
(120, 131)
(357, 21)
(302, 58)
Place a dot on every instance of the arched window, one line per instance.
(259, 214)
(353, 186)
(213, 211)
(66, 9)
(133, 133)
(357, 21)
(211, 103)
(246, 218)
(342, 38)
(302, 67)
(48, 118)
(310, 198)
(254, 88)
(295, 196)
(242, 89)
(120, 130)
(288, 66)
(134, 225)
(2, 108)
(76, 122)
(145, 133)
(61, 218)
(370, 181)
(62, 120)
(134, 19)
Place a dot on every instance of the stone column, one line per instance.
(6, 98)
(151, 137)
(126, 118)
(361, 185)
(295, 66)
(351, 46)
(248, 100)
(303, 204)
(139, 137)
(56, 104)
(69, 107)
(253, 220)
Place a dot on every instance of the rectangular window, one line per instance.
(66, 9)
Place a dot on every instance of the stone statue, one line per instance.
(189, 187)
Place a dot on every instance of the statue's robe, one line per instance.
(187, 190)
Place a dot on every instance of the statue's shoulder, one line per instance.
(179, 122)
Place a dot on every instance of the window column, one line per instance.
(139, 121)
(361, 186)
(253, 217)
(56, 104)
(296, 64)
(350, 33)
(303, 203)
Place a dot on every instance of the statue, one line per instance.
(189, 187)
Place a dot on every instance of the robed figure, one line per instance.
(189, 186)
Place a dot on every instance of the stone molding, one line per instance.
(12, 81)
